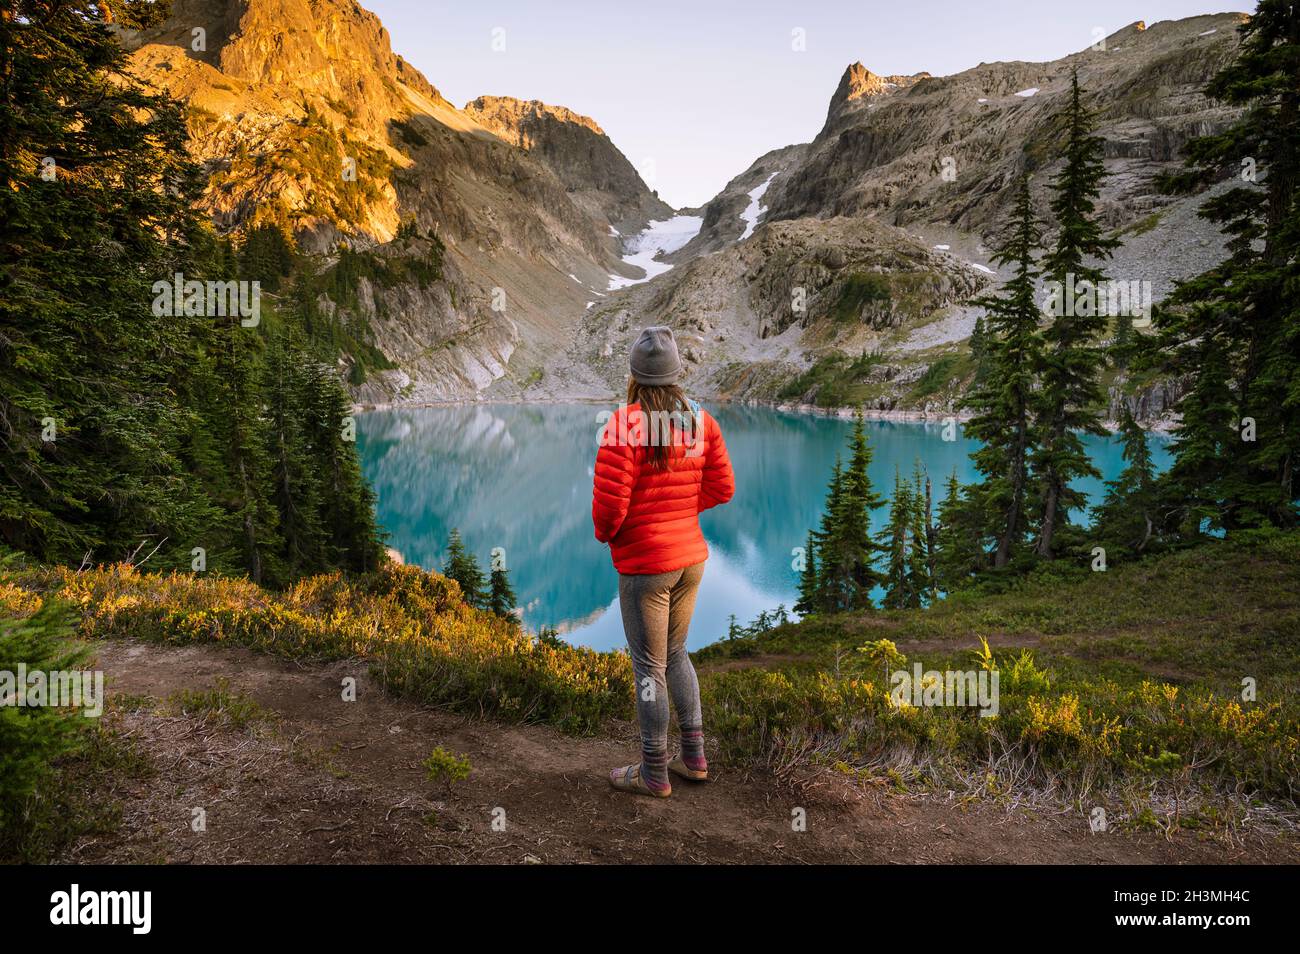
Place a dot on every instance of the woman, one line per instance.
(661, 461)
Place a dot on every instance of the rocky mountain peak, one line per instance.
(858, 82)
(598, 176)
(331, 49)
(1132, 32)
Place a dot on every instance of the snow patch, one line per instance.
(981, 100)
(656, 239)
(1207, 32)
(755, 208)
(1028, 92)
(943, 248)
(982, 268)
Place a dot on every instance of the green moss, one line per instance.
(837, 378)
(859, 290)
(1142, 226)
(940, 373)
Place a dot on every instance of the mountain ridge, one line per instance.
(933, 161)
(578, 151)
(535, 205)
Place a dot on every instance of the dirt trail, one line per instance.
(323, 780)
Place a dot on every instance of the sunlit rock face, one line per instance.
(303, 116)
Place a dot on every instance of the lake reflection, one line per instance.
(519, 477)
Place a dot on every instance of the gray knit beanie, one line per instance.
(654, 357)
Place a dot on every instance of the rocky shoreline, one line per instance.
(1165, 425)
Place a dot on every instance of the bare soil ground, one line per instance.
(321, 780)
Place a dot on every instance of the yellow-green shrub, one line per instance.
(420, 637)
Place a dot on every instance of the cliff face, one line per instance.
(943, 149)
(304, 116)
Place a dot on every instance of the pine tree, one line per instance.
(1125, 519)
(1238, 324)
(245, 437)
(847, 552)
(908, 579)
(267, 256)
(920, 556)
(501, 597)
(898, 540)
(294, 477)
(959, 553)
(137, 14)
(1070, 390)
(931, 536)
(347, 503)
(461, 566)
(33, 737)
(1003, 401)
(1200, 480)
(1124, 341)
(979, 349)
(856, 540)
(833, 570)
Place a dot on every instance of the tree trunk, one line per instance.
(931, 534)
(1017, 478)
(1050, 499)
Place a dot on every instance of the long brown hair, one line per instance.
(662, 407)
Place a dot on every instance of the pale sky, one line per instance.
(693, 91)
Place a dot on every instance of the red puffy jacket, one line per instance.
(650, 518)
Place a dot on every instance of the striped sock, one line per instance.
(654, 768)
(693, 749)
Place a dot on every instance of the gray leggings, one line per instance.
(656, 613)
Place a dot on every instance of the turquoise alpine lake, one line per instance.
(518, 477)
